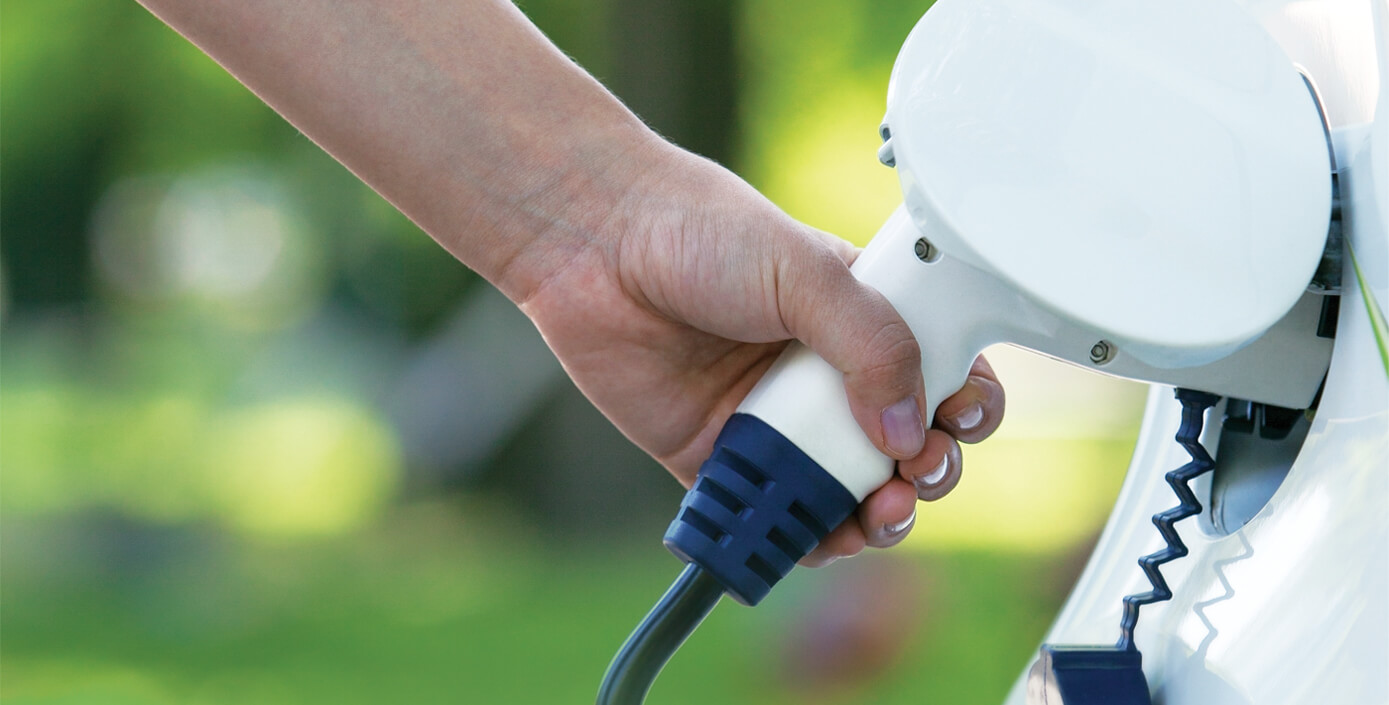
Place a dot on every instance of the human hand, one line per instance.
(665, 284)
(687, 290)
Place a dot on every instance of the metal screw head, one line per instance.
(925, 251)
(1101, 352)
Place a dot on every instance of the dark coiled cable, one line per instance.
(1194, 405)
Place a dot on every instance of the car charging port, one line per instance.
(1258, 444)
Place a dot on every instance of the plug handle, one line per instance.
(953, 309)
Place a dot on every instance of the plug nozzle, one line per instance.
(759, 505)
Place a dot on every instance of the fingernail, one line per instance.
(933, 478)
(903, 432)
(970, 418)
(894, 530)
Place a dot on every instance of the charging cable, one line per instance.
(688, 601)
(758, 506)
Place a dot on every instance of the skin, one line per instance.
(663, 283)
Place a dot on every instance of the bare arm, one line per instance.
(664, 284)
(461, 114)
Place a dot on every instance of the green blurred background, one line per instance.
(261, 441)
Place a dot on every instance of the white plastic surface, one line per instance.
(956, 311)
(803, 397)
(1123, 163)
(1294, 607)
(1086, 183)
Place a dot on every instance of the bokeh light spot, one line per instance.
(302, 467)
(228, 240)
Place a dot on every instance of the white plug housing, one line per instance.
(1134, 167)
(1127, 174)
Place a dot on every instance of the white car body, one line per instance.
(1292, 607)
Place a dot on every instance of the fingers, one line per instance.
(974, 412)
(935, 472)
(846, 540)
(856, 330)
(882, 520)
(888, 515)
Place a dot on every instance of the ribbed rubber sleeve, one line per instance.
(759, 505)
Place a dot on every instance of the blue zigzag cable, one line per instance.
(1194, 405)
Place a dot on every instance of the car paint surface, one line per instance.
(1294, 606)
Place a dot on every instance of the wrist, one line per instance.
(577, 190)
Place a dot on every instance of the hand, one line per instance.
(691, 288)
(664, 283)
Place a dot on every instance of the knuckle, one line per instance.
(891, 351)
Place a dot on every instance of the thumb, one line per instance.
(858, 332)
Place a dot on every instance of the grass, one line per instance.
(426, 608)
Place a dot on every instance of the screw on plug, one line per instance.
(925, 251)
(1101, 352)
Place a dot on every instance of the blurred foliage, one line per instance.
(427, 608)
(816, 92)
(206, 495)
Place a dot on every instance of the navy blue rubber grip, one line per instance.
(759, 505)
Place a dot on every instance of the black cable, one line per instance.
(688, 601)
(1194, 405)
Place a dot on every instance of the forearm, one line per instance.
(460, 113)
